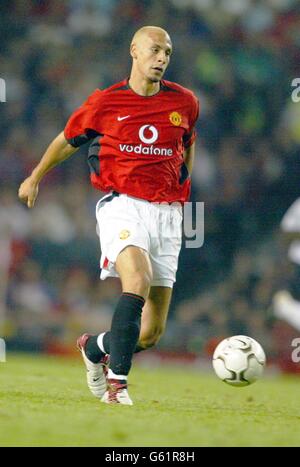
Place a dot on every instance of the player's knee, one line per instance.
(151, 338)
(139, 282)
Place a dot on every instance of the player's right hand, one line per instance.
(28, 192)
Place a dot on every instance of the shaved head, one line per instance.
(151, 31)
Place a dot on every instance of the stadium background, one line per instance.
(239, 57)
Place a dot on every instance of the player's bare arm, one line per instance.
(58, 151)
(188, 156)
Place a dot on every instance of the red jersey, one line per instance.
(138, 141)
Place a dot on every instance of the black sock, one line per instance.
(125, 330)
(92, 351)
(106, 346)
(139, 348)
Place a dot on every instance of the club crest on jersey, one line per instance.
(175, 118)
(124, 234)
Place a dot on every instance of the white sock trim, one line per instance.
(100, 342)
(112, 375)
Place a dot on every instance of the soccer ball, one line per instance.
(239, 360)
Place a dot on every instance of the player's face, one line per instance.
(153, 56)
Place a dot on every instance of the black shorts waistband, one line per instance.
(110, 197)
(115, 194)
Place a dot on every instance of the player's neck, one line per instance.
(143, 87)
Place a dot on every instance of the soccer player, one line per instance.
(141, 153)
(286, 303)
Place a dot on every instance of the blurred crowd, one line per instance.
(239, 57)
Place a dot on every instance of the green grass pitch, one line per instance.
(44, 401)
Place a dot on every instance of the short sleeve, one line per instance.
(85, 122)
(190, 135)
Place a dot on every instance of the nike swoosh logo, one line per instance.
(122, 118)
(95, 379)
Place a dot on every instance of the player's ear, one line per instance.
(133, 51)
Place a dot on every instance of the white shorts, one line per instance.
(123, 220)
